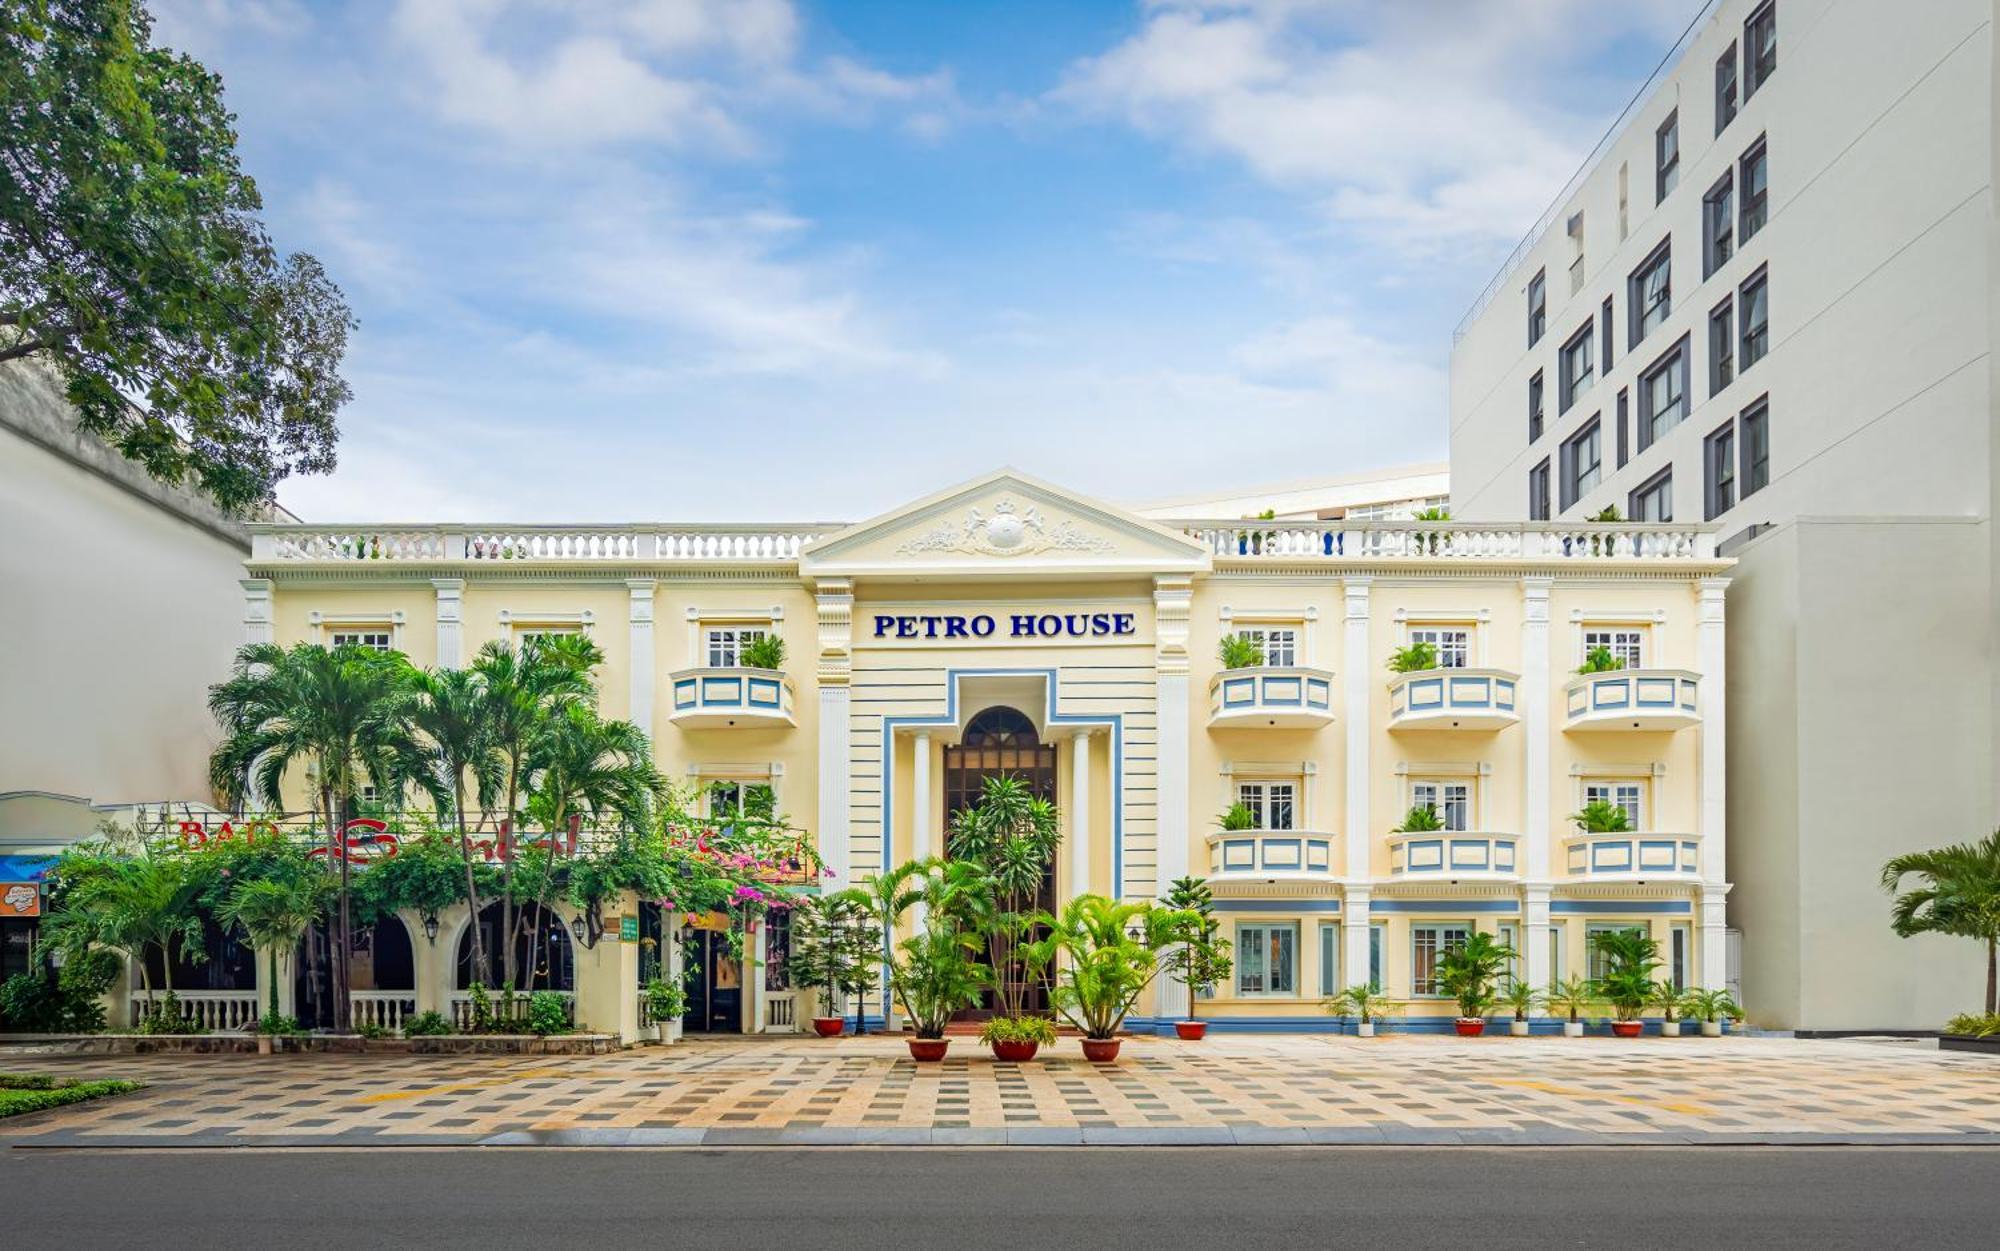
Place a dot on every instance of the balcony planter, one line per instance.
(1572, 1029)
(928, 1050)
(1470, 1026)
(1016, 1050)
(1100, 1050)
(829, 1026)
(1628, 1029)
(1190, 1031)
(1711, 1029)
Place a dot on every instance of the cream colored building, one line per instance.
(1010, 616)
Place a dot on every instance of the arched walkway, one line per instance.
(382, 973)
(543, 958)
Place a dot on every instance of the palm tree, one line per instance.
(276, 912)
(131, 907)
(341, 712)
(450, 710)
(1013, 834)
(1959, 895)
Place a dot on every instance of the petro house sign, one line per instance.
(1019, 625)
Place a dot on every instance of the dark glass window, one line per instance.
(1654, 499)
(1718, 225)
(1725, 89)
(1760, 47)
(1652, 293)
(1667, 156)
(1756, 448)
(1754, 296)
(1583, 463)
(1576, 368)
(1721, 347)
(1538, 307)
(1538, 492)
(1756, 206)
(1663, 396)
(1719, 456)
(1535, 406)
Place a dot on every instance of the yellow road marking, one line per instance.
(482, 1083)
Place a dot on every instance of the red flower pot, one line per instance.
(1192, 1031)
(928, 1050)
(1470, 1026)
(829, 1026)
(1100, 1050)
(1015, 1050)
(1628, 1029)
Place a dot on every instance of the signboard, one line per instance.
(628, 929)
(1019, 625)
(20, 899)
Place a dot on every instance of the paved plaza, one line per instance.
(1265, 1090)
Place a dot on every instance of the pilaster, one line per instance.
(1357, 691)
(640, 616)
(1079, 815)
(1173, 602)
(1535, 950)
(450, 618)
(257, 626)
(1354, 936)
(1535, 726)
(1711, 657)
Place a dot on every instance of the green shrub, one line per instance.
(278, 1026)
(766, 651)
(34, 1092)
(427, 1025)
(547, 1014)
(164, 1017)
(1034, 1029)
(1238, 817)
(1416, 658)
(1421, 819)
(482, 1007)
(71, 1002)
(371, 1031)
(1978, 1025)
(1601, 660)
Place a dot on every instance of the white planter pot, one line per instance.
(1670, 1029)
(1572, 1029)
(1365, 1028)
(1711, 1029)
(1518, 1029)
(660, 1029)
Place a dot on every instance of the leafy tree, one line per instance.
(130, 906)
(1012, 834)
(836, 946)
(1202, 957)
(276, 913)
(1958, 894)
(133, 263)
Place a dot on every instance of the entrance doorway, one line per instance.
(1003, 742)
(715, 983)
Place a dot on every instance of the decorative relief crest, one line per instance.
(1010, 531)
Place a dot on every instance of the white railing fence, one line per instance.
(781, 1011)
(461, 1008)
(385, 1009)
(212, 1011)
(1452, 540)
(275, 542)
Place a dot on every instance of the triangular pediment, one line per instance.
(1004, 524)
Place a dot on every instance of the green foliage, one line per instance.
(133, 262)
(432, 1024)
(1711, 1005)
(1601, 660)
(1976, 1025)
(131, 906)
(1110, 953)
(1415, 658)
(1431, 514)
(284, 1026)
(1630, 956)
(1018, 1029)
(766, 651)
(665, 1001)
(1521, 998)
(1667, 999)
(1602, 817)
(1237, 817)
(1420, 819)
(1012, 835)
(1469, 972)
(1240, 652)
(34, 1092)
(480, 1005)
(936, 974)
(70, 1002)
(426, 875)
(1958, 894)
(1608, 513)
(548, 1013)
(1571, 997)
(275, 913)
(164, 1016)
(1201, 955)
(836, 946)
(1364, 1000)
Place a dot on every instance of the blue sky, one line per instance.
(704, 259)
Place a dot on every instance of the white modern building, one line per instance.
(1766, 302)
(1397, 493)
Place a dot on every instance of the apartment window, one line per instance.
(1725, 88)
(1329, 957)
(1755, 170)
(1756, 448)
(1583, 463)
(1604, 333)
(1270, 802)
(1626, 644)
(726, 644)
(1375, 933)
(1624, 201)
(1624, 426)
(1754, 296)
(1538, 306)
(1535, 406)
(1280, 644)
(1653, 500)
(1453, 646)
(1427, 943)
(1663, 395)
(1596, 969)
(1651, 293)
(1718, 224)
(1760, 47)
(1721, 346)
(1452, 801)
(373, 638)
(1667, 156)
(1719, 457)
(1267, 959)
(1575, 230)
(1555, 954)
(1574, 367)
(1538, 492)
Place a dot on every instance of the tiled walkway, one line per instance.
(1226, 1089)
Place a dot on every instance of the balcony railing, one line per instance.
(486, 544)
(387, 1009)
(1271, 696)
(1453, 699)
(1452, 540)
(1454, 854)
(731, 697)
(1634, 699)
(1271, 855)
(1630, 857)
(212, 1011)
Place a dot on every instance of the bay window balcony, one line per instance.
(1271, 697)
(1454, 854)
(1630, 857)
(1271, 856)
(731, 697)
(1453, 699)
(1633, 699)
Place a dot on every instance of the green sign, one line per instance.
(628, 929)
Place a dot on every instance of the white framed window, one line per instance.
(1627, 643)
(1509, 935)
(1376, 937)
(1329, 957)
(1453, 644)
(1629, 795)
(1267, 959)
(1452, 801)
(1280, 644)
(1555, 954)
(1427, 943)
(377, 638)
(725, 644)
(1274, 804)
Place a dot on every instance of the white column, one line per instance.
(450, 616)
(640, 615)
(1079, 814)
(1354, 936)
(1714, 795)
(920, 808)
(1173, 600)
(753, 976)
(1357, 682)
(1535, 949)
(256, 610)
(1535, 698)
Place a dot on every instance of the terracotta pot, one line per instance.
(829, 1026)
(1670, 1029)
(1628, 1029)
(928, 1050)
(1192, 1031)
(263, 1044)
(1015, 1050)
(1365, 1029)
(1100, 1050)
(1711, 1029)
(1572, 1029)
(1518, 1029)
(1470, 1026)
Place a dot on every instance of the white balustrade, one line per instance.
(278, 542)
(1451, 540)
(781, 1012)
(382, 1009)
(212, 1011)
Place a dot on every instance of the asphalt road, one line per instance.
(1077, 1199)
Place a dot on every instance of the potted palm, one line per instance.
(1110, 954)
(1468, 973)
(1570, 998)
(1711, 1008)
(1421, 819)
(1364, 1001)
(1668, 1001)
(1202, 956)
(1602, 817)
(1238, 652)
(1630, 957)
(766, 651)
(1601, 660)
(1522, 998)
(1416, 658)
(937, 973)
(1017, 1039)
